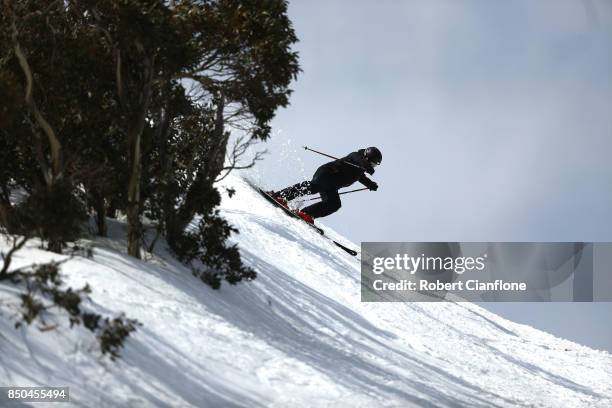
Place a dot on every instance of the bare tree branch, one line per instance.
(16, 244)
(239, 149)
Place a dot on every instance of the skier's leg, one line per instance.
(319, 183)
(296, 190)
(329, 204)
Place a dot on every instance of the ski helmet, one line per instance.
(373, 155)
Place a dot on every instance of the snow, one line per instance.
(296, 336)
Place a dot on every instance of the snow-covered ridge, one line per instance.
(296, 336)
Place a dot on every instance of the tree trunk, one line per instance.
(52, 173)
(133, 204)
(220, 139)
(111, 209)
(134, 137)
(4, 211)
(134, 231)
(55, 246)
(5, 207)
(100, 210)
(166, 159)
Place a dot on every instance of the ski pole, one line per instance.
(331, 157)
(344, 192)
(354, 191)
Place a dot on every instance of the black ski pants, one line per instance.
(330, 199)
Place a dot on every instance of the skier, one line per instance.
(332, 176)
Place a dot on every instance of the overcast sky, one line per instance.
(494, 119)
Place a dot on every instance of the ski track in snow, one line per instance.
(296, 336)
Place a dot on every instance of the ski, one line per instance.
(349, 250)
(288, 211)
(292, 214)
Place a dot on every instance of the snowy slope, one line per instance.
(296, 336)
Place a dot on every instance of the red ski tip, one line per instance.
(305, 217)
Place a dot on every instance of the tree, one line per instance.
(36, 63)
(130, 104)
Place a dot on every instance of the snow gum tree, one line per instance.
(130, 106)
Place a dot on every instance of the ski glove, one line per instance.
(373, 186)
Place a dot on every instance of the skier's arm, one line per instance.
(368, 183)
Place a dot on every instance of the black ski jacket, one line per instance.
(339, 173)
